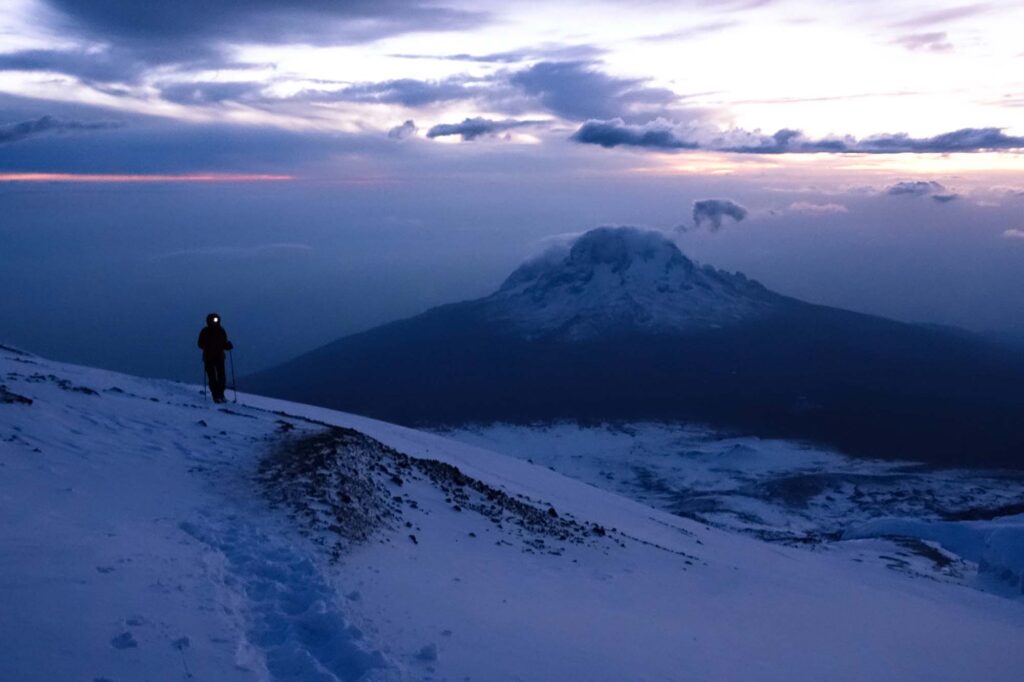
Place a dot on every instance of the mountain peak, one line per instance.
(617, 248)
(615, 279)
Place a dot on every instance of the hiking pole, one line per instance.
(204, 380)
(234, 384)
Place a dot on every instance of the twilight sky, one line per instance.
(310, 168)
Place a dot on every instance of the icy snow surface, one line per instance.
(149, 535)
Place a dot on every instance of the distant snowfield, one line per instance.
(792, 493)
(139, 543)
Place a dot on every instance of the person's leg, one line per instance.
(218, 381)
(211, 376)
(223, 378)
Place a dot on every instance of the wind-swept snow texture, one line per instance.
(148, 535)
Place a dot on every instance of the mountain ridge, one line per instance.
(760, 363)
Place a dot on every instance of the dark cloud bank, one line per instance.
(666, 136)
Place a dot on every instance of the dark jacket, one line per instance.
(214, 341)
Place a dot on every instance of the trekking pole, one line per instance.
(234, 384)
(204, 380)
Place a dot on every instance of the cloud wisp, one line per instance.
(104, 66)
(937, 41)
(578, 91)
(916, 188)
(545, 52)
(472, 128)
(690, 32)
(401, 132)
(945, 16)
(817, 209)
(712, 213)
(408, 92)
(922, 188)
(16, 132)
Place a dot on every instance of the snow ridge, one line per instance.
(620, 279)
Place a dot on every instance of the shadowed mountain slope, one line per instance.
(623, 326)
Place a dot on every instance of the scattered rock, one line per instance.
(9, 398)
(340, 480)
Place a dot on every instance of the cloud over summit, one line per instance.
(713, 212)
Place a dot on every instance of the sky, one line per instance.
(311, 168)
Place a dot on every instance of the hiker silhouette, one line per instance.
(214, 341)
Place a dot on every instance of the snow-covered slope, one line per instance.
(794, 493)
(149, 535)
(616, 279)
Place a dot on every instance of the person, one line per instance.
(214, 341)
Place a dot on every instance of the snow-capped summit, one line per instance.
(615, 279)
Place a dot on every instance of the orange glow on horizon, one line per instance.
(141, 178)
